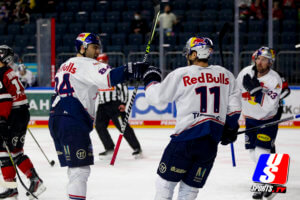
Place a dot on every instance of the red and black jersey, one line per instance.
(11, 91)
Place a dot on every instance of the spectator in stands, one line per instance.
(244, 9)
(22, 16)
(25, 76)
(289, 4)
(258, 9)
(167, 19)
(138, 24)
(3, 13)
(277, 11)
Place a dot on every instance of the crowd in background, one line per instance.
(19, 11)
(258, 9)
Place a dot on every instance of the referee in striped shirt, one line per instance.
(112, 106)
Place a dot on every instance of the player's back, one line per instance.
(81, 77)
(201, 95)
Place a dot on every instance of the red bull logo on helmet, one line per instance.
(82, 36)
(197, 42)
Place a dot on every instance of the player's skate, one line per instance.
(257, 195)
(36, 186)
(269, 195)
(106, 155)
(11, 194)
(137, 153)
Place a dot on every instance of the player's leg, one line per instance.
(77, 186)
(8, 173)
(78, 154)
(102, 121)
(187, 192)
(250, 144)
(164, 189)
(173, 165)
(203, 151)
(260, 142)
(19, 119)
(266, 145)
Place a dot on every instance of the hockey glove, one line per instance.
(152, 74)
(229, 135)
(4, 129)
(252, 85)
(135, 71)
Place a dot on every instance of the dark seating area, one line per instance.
(112, 20)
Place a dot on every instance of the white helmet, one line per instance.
(202, 45)
(266, 52)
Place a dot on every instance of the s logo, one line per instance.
(272, 168)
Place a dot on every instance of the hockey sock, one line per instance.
(255, 153)
(164, 189)
(8, 173)
(77, 186)
(187, 192)
(24, 164)
(7, 169)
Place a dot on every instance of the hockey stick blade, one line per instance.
(8, 184)
(125, 121)
(269, 124)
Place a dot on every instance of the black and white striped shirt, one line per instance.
(116, 93)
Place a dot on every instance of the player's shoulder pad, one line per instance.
(276, 76)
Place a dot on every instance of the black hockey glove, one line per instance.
(229, 135)
(152, 74)
(135, 71)
(252, 85)
(4, 129)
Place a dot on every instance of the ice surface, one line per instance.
(133, 179)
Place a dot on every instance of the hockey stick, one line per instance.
(224, 30)
(125, 121)
(17, 172)
(269, 124)
(52, 161)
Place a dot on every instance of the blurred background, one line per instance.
(124, 26)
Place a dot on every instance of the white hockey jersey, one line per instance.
(81, 77)
(203, 97)
(268, 106)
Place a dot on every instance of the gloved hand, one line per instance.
(229, 135)
(4, 129)
(152, 74)
(135, 71)
(252, 85)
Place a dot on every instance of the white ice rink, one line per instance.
(133, 179)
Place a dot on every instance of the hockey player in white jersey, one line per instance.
(208, 108)
(260, 88)
(73, 108)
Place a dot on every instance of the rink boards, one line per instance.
(144, 115)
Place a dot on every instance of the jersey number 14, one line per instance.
(65, 87)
